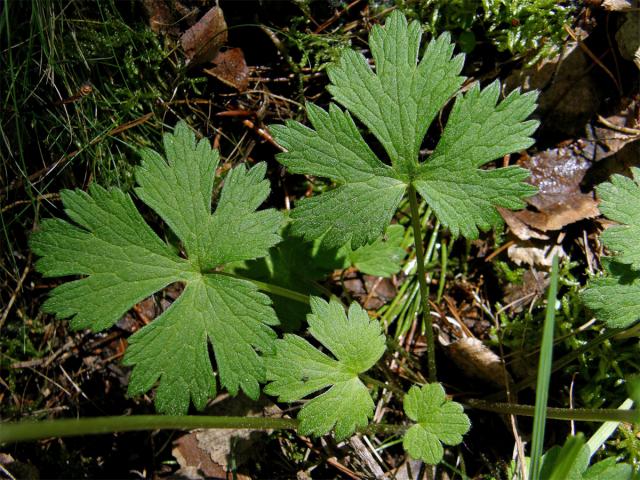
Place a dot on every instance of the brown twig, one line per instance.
(335, 17)
(592, 56)
(14, 295)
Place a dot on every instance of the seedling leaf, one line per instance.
(397, 103)
(299, 369)
(615, 297)
(438, 421)
(123, 261)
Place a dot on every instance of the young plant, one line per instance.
(397, 103)
(123, 260)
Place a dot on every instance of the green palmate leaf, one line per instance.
(122, 261)
(397, 103)
(438, 421)
(299, 369)
(615, 297)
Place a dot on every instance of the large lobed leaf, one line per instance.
(397, 102)
(299, 369)
(615, 297)
(122, 261)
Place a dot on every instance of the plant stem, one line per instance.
(34, 430)
(388, 386)
(270, 288)
(422, 280)
(579, 414)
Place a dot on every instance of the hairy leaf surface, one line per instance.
(122, 261)
(298, 369)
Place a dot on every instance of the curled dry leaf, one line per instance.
(530, 253)
(230, 67)
(202, 41)
(477, 360)
(619, 5)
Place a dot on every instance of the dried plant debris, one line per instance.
(476, 360)
(615, 131)
(569, 95)
(619, 5)
(202, 42)
(160, 16)
(535, 253)
(230, 67)
(558, 174)
(209, 452)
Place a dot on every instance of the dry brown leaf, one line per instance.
(557, 173)
(194, 462)
(477, 360)
(209, 450)
(202, 41)
(519, 228)
(619, 5)
(569, 94)
(574, 208)
(529, 253)
(160, 17)
(230, 67)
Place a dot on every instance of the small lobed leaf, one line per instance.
(298, 369)
(297, 265)
(438, 421)
(615, 297)
(122, 261)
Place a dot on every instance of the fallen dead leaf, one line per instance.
(618, 5)
(230, 67)
(518, 227)
(477, 360)
(160, 17)
(529, 253)
(557, 173)
(209, 451)
(202, 41)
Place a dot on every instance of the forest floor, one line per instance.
(83, 84)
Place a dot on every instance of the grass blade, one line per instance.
(544, 375)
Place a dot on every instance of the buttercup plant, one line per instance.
(122, 260)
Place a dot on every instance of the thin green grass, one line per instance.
(544, 376)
